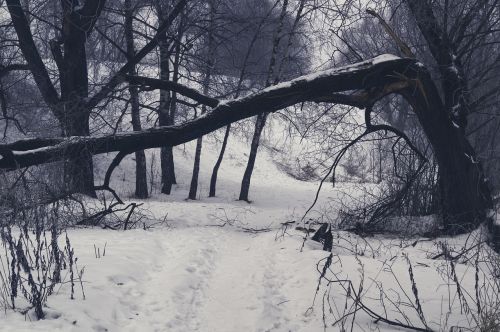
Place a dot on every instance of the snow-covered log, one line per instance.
(374, 75)
(465, 195)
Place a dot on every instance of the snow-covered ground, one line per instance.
(204, 269)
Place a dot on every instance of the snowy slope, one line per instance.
(204, 271)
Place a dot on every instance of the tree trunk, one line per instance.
(464, 190)
(165, 119)
(78, 170)
(261, 119)
(173, 99)
(167, 170)
(245, 183)
(215, 171)
(168, 107)
(141, 182)
(465, 194)
(193, 188)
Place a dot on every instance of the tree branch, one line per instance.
(31, 54)
(370, 75)
(89, 13)
(119, 77)
(5, 70)
(172, 86)
(405, 49)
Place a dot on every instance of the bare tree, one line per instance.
(360, 85)
(71, 61)
(210, 51)
(439, 94)
(260, 121)
(449, 37)
(73, 106)
(141, 182)
(168, 101)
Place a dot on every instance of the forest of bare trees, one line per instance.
(401, 94)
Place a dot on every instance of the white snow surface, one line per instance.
(194, 274)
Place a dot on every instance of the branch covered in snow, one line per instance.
(373, 78)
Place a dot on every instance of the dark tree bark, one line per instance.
(215, 171)
(165, 119)
(371, 78)
(141, 181)
(168, 103)
(79, 169)
(69, 108)
(464, 190)
(72, 65)
(459, 168)
(260, 122)
(443, 49)
(193, 188)
(272, 77)
(72, 108)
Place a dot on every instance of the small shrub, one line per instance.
(31, 260)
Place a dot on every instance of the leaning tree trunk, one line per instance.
(465, 195)
(141, 182)
(260, 122)
(193, 188)
(215, 171)
(254, 147)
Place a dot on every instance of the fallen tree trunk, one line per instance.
(465, 195)
(321, 87)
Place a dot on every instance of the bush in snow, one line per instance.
(32, 260)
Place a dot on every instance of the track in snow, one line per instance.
(215, 279)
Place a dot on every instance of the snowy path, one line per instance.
(172, 290)
(214, 280)
(193, 276)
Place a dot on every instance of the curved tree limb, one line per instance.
(186, 91)
(466, 195)
(373, 74)
(119, 76)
